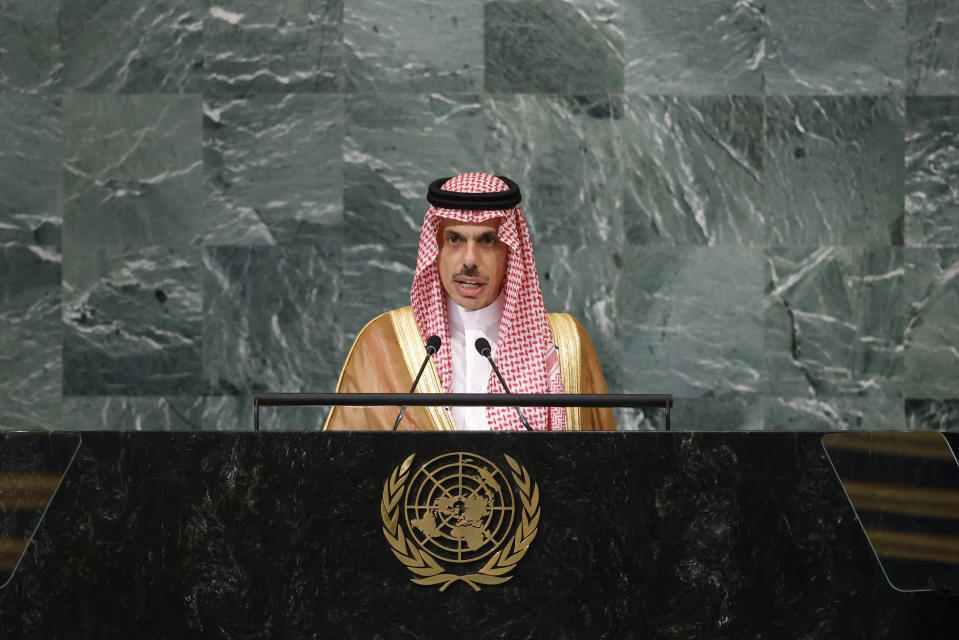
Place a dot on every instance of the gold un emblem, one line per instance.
(455, 518)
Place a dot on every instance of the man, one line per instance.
(475, 277)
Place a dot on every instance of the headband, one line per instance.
(495, 201)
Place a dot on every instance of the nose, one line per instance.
(469, 255)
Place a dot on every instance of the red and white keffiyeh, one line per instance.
(525, 353)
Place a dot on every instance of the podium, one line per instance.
(282, 535)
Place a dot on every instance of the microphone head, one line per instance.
(433, 344)
(482, 345)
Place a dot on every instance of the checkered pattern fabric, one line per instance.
(525, 348)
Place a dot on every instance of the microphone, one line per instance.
(482, 346)
(432, 346)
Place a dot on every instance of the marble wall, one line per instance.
(751, 205)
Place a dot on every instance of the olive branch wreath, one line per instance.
(497, 568)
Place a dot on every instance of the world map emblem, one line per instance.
(459, 517)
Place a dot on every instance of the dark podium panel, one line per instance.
(281, 535)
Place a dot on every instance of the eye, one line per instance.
(452, 239)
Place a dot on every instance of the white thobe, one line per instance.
(471, 371)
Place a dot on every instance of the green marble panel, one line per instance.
(285, 46)
(374, 282)
(691, 320)
(273, 167)
(829, 413)
(272, 320)
(180, 413)
(640, 420)
(230, 413)
(821, 47)
(614, 183)
(235, 413)
(31, 54)
(30, 337)
(407, 46)
(583, 282)
(833, 323)
(113, 46)
(727, 412)
(134, 413)
(133, 171)
(699, 47)
(694, 171)
(132, 322)
(183, 413)
(721, 412)
(932, 330)
(834, 170)
(571, 47)
(932, 172)
(31, 153)
(393, 149)
(563, 152)
(932, 35)
(941, 415)
(293, 418)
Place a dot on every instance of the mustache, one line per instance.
(470, 272)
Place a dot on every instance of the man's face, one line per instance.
(472, 261)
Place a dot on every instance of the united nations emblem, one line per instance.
(455, 518)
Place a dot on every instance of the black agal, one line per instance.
(495, 201)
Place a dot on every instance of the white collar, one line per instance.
(485, 319)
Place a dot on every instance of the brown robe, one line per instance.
(376, 364)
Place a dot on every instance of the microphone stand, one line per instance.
(432, 346)
(482, 346)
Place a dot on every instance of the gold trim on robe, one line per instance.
(566, 338)
(411, 344)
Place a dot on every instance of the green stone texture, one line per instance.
(932, 172)
(132, 174)
(690, 321)
(31, 154)
(641, 419)
(823, 47)
(569, 47)
(31, 361)
(694, 171)
(271, 319)
(183, 413)
(833, 413)
(710, 47)
(392, 150)
(834, 172)
(132, 322)
(932, 36)
(940, 415)
(749, 205)
(273, 168)
(402, 46)
(154, 47)
(833, 322)
(134, 413)
(932, 305)
(372, 267)
(235, 413)
(31, 53)
(565, 152)
(583, 282)
(720, 412)
(281, 46)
